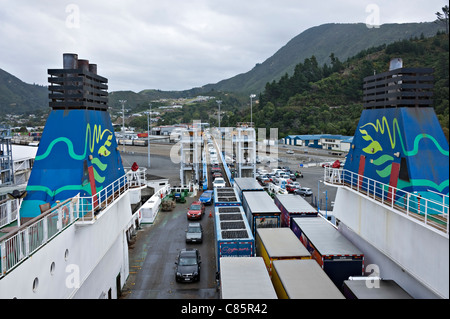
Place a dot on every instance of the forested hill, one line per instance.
(345, 40)
(328, 99)
(19, 97)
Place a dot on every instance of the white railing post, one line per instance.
(45, 228)
(3, 261)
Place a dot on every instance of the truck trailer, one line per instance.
(226, 196)
(293, 206)
(246, 184)
(302, 279)
(373, 288)
(337, 256)
(233, 237)
(260, 210)
(245, 278)
(278, 244)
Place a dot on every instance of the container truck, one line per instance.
(226, 196)
(278, 244)
(246, 184)
(260, 210)
(233, 237)
(370, 288)
(337, 256)
(293, 206)
(302, 279)
(245, 278)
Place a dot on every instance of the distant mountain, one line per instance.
(344, 40)
(17, 96)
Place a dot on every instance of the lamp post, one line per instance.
(123, 123)
(252, 96)
(219, 102)
(149, 130)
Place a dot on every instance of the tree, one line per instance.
(443, 17)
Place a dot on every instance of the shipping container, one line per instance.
(370, 288)
(226, 196)
(260, 210)
(245, 278)
(302, 279)
(278, 244)
(292, 206)
(337, 256)
(233, 237)
(246, 184)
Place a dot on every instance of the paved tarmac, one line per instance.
(152, 259)
(153, 254)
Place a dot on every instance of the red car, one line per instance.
(196, 210)
(291, 188)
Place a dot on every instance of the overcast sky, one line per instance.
(173, 44)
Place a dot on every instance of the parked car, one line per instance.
(264, 179)
(188, 266)
(291, 188)
(304, 191)
(194, 233)
(207, 197)
(289, 152)
(219, 182)
(196, 210)
(296, 184)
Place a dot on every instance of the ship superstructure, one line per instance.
(392, 200)
(69, 239)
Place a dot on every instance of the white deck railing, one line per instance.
(18, 245)
(8, 211)
(428, 211)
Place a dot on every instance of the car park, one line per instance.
(304, 191)
(188, 266)
(196, 210)
(194, 233)
(207, 197)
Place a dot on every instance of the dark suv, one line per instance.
(188, 266)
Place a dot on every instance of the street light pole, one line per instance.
(123, 123)
(251, 108)
(149, 130)
(219, 102)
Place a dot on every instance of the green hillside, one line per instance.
(328, 99)
(345, 40)
(19, 97)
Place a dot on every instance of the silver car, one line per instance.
(194, 233)
(304, 191)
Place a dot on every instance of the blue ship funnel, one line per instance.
(399, 140)
(78, 153)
